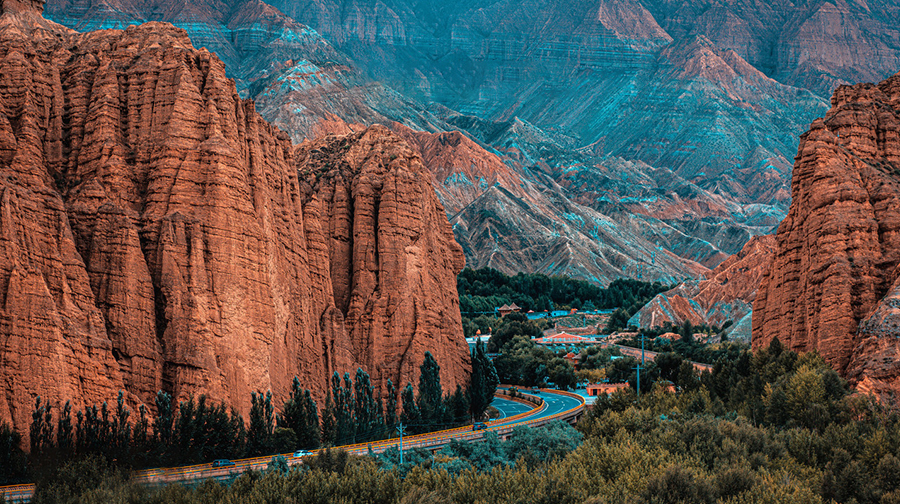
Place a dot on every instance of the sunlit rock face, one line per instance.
(725, 294)
(155, 233)
(832, 286)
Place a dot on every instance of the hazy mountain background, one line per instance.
(603, 138)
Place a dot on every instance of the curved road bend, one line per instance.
(556, 403)
(514, 413)
(509, 408)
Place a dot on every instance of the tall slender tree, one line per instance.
(483, 382)
(262, 424)
(329, 434)
(430, 399)
(299, 414)
(41, 431)
(311, 436)
(163, 426)
(65, 436)
(364, 407)
(390, 409)
(410, 416)
(121, 429)
(344, 426)
(141, 436)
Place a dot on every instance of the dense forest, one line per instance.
(482, 290)
(765, 427)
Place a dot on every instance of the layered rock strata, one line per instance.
(833, 284)
(154, 233)
(727, 293)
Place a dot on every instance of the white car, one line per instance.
(302, 453)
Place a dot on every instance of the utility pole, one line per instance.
(400, 429)
(639, 367)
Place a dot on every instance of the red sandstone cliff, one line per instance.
(154, 232)
(727, 293)
(833, 284)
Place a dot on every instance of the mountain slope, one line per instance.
(726, 294)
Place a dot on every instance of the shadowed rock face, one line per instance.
(154, 233)
(833, 283)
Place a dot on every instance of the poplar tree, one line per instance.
(65, 436)
(262, 424)
(458, 406)
(140, 436)
(163, 425)
(390, 410)
(430, 399)
(365, 410)
(410, 416)
(299, 414)
(121, 428)
(310, 438)
(483, 382)
(344, 427)
(328, 421)
(41, 431)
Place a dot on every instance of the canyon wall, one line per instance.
(832, 286)
(155, 235)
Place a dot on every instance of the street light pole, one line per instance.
(400, 429)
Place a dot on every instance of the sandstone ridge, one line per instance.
(833, 284)
(727, 293)
(155, 234)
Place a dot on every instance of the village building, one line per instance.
(595, 389)
(507, 309)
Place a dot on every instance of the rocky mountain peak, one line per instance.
(22, 7)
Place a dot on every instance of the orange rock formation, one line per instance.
(154, 233)
(727, 293)
(833, 286)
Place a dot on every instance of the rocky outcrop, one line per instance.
(814, 45)
(252, 38)
(726, 294)
(154, 233)
(461, 169)
(381, 249)
(832, 284)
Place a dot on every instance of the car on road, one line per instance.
(222, 463)
(535, 390)
(302, 453)
(479, 426)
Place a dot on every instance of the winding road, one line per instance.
(554, 405)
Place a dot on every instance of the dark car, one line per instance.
(479, 426)
(222, 463)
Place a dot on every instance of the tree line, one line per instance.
(771, 426)
(482, 290)
(196, 430)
